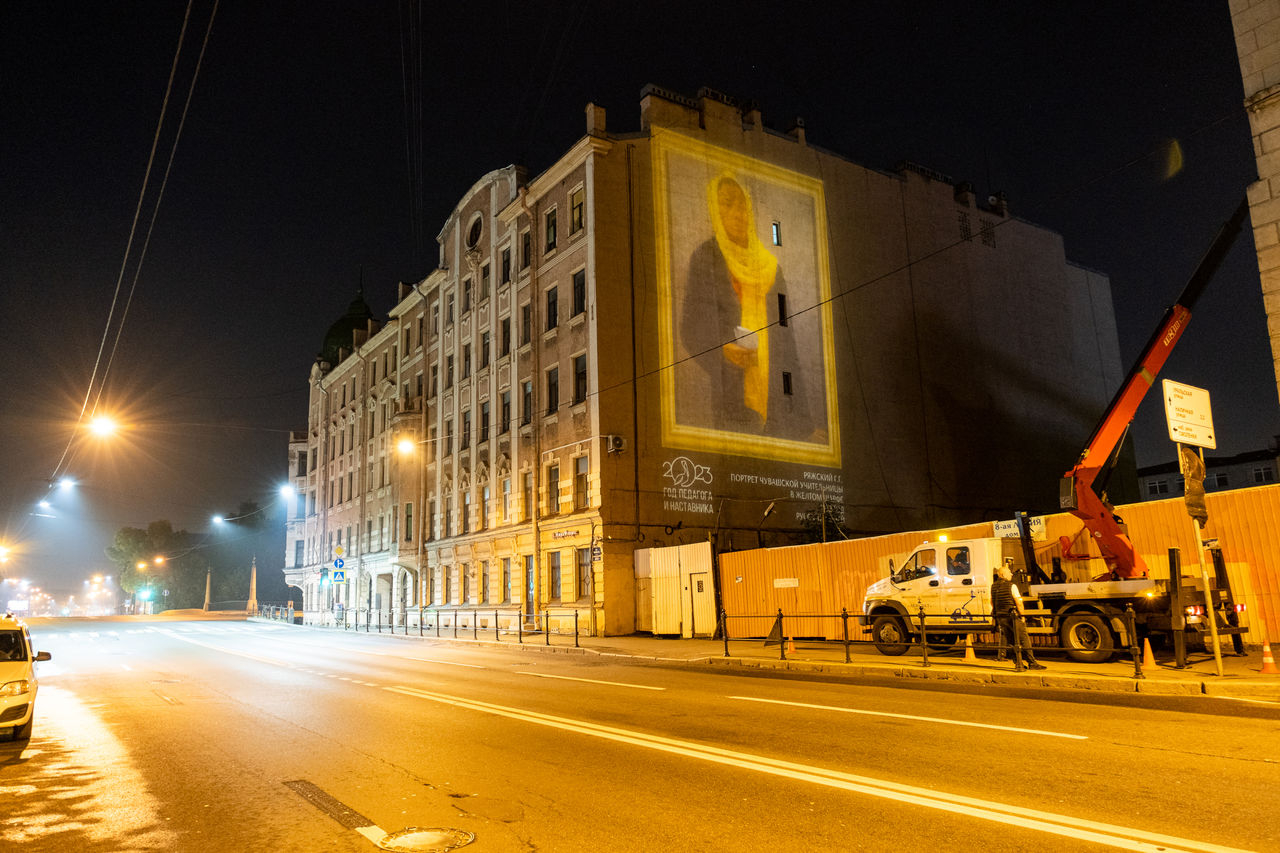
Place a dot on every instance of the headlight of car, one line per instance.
(15, 688)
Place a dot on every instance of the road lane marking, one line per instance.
(588, 680)
(982, 809)
(912, 717)
(430, 660)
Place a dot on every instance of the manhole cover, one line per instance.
(426, 839)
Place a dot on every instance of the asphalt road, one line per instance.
(230, 736)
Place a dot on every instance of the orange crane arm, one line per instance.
(1084, 486)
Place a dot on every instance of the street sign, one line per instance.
(339, 577)
(338, 551)
(338, 563)
(1190, 417)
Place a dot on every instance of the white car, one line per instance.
(17, 678)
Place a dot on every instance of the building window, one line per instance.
(782, 309)
(1216, 480)
(448, 372)
(553, 575)
(484, 421)
(484, 282)
(526, 508)
(526, 324)
(584, 573)
(777, 233)
(484, 350)
(1155, 488)
(466, 360)
(484, 582)
(464, 573)
(448, 517)
(504, 413)
(408, 522)
(465, 442)
(448, 585)
(435, 380)
(431, 521)
(506, 337)
(448, 437)
(506, 266)
(466, 295)
(484, 507)
(526, 249)
(553, 390)
(506, 498)
(577, 200)
(553, 488)
(786, 382)
(580, 494)
(579, 379)
(550, 229)
(553, 304)
(526, 402)
(1263, 474)
(506, 580)
(579, 292)
(448, 310)
(297, 553)
(435, 318)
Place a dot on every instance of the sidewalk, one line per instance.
(1241, 678)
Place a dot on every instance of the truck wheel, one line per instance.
(1086, 638)
(890, 635)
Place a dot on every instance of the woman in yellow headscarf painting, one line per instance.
(732, 308)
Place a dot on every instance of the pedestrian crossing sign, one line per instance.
(338, 576)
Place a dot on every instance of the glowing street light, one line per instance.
(103, 426)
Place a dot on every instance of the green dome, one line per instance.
(339, 337)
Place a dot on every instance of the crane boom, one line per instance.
(1083, 487)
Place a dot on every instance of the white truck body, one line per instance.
(951, 582)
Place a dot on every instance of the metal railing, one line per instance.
(980, 636)
(462, 622)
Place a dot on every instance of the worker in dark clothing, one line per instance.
(1006, 607)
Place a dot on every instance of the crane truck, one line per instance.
(951, 581)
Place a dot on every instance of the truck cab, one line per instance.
(949, 580)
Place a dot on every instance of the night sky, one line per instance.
(299, 173)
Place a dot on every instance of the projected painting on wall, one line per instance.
(745, 313)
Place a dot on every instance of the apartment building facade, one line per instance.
(703, 330)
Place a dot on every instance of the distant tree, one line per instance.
(224, 557)
(179, 570)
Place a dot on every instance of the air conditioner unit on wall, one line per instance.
(614, 443)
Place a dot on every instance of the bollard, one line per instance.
(435, 617)
(520, 628)
(924, 640)
(724, 631)
(1130, 620)
(546, 626)
(419, 618)
(782, 638)
(455, 624)
(497, 638)
(844, 619)
(575, 629)
(475, 625)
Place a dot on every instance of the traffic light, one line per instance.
(324, 577)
